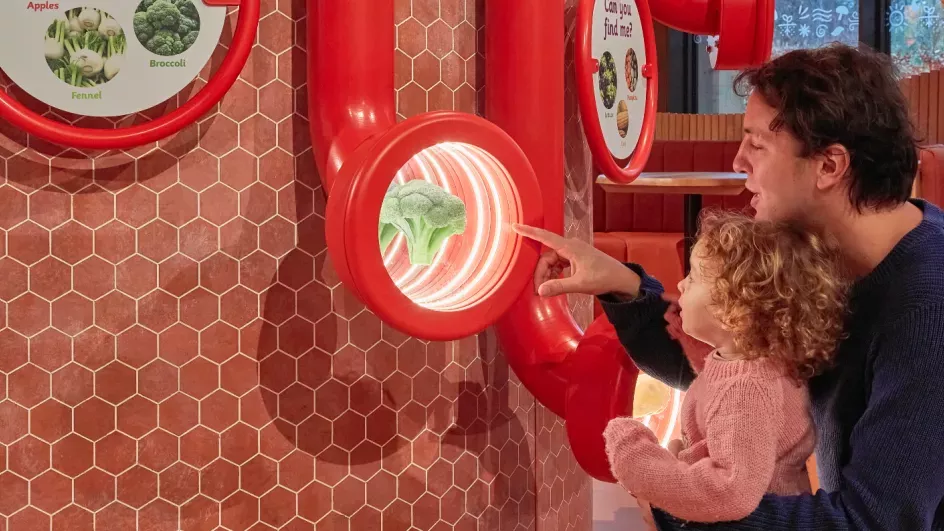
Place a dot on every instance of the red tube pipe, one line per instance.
(353, 97)
(699, 17)
(525, 96)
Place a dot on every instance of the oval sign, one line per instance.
(110, 57)
(619, 47)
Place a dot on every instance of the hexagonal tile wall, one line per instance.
(179, 354)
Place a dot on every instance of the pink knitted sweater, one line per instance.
(746, 430)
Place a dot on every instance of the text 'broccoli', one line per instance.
(426, 215)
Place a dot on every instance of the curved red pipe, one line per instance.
(350, 90)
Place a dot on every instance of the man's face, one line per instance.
(783, 183)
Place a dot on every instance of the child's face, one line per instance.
(698, 320)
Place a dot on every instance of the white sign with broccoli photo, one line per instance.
(110, 58)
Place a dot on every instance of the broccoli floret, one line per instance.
(164, 42)
(142, 28)
(189, 39)
(187, 25)
(144, 5)
(164, 15)
(187, 9)
(425, 214)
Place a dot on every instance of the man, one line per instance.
(828, 142)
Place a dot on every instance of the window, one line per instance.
(797, 24)
(917, 35)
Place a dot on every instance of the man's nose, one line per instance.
(741, 164)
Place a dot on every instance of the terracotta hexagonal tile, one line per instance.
(239, 443)
(257, 203)
(136, 276)
(381, 425)
(177, 205)
(239, 306)
(276, 32)
(198, 239)
(426, 70)
(199, 378)
(50, 349)
(93, 206)
(178, 274)
(454, 71)
(349, 430)
(28, 314)
(452, 11)
(70, 242)
(95, 347)
(157, 450)
(277, 167)
(72, 313)
(157, 240)
(71, 385)
(72, 455)
(157, 170)
(314, 302)
(365, 460)
(219, 342)
(239, 238)
(311, 239)
(296, 470)
(261, 66)
(94, 277)
(426, 386)
(331, 399)
(199, 308)
(15, 279)
(73, 518)
(240, 511)
(296, 336)
(297, 201)
(346, 304)
(366, 395)
(115, 241)
(411, 420)
(199, 447)
(14, 210)
(238, 104)
(15, 350)
(440, 38)
(258, 475)
(114, 312)
(440, 98)
(157, 310)
(277, 372)
(257, 135)
(219, 480)
(277, 507)
(332, 466)
(219, 135)
(50, 207)
(218, 204)
(50, 421)
(160, 516)
(14, 493)
(137, 487)
(314, 501)
(137, 416)
(275, 101)
(115, 453)
(50, 278)
(411, 100)
(393, 336)
(29, 518)
(238, 169)
(367, 329)
(331, 333)
(158, 380)
(200, 513)
(179, 483)
(179, 344)
(411, 357)
(29, 243)
(28, 385)
(115, 382)
(219, 411)
(136, 205)
(115, 516)
(465, 99)
(199, 169)
(277, 236)
(178, 414)
(219, 273)
(411, 37)
(28, 457)
(296, 403)
(239, 375)
(94, 418)
(398, 390)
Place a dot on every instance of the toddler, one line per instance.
(769, 298)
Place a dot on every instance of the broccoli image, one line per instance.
(426, 215)
(167, 27)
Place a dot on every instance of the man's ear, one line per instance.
(832, 166)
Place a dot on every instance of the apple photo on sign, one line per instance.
(85, 47)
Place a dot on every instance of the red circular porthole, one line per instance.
(473, 277)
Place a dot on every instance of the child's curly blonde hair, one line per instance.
(779, 289)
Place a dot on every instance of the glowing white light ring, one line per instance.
(497, 243)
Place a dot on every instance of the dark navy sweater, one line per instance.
(879, 412)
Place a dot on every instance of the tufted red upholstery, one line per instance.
(931, 174)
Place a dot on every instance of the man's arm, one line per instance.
(641, 328)
(895, 476)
